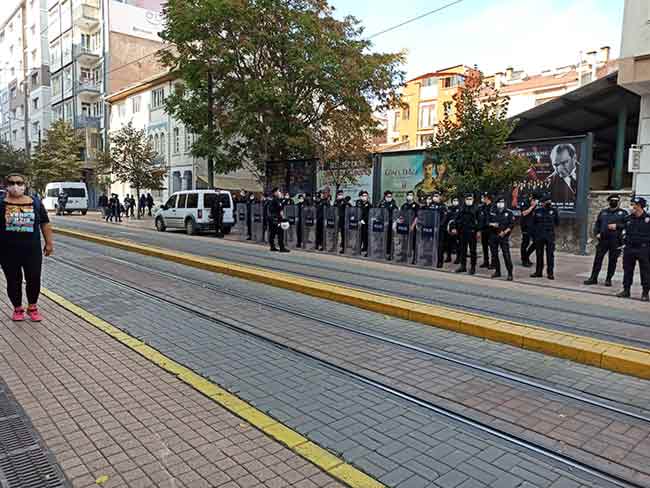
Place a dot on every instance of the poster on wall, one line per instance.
(554, 169)
(401, 173)
(364, 182)
(139, 18)
(301, 177)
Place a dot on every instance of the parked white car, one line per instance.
(190, 210)
(77, 196)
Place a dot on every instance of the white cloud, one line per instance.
(528, 34)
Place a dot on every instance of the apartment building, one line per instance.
(24, 75)
(142, 104)
(413, 125)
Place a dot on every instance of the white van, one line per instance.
(77, 196)
(190, 210)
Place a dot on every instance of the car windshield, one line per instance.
(208, 200)
(75, 192)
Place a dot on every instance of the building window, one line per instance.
(56, 86)
(121, 110)
(163, 145)
(405, 138)
(135, 104)
(406, 113)
(85, 75)
(177, 140)
(13, 92)
(35, 80)
(85, 41)
(452, 81)
(396, 120)
(425, 140)
(35, 103)
(157, 98)
(427, 115)
(67, 79)
(188, 140)
(430, 81)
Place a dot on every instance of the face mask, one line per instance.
(501, 206)
(364, 198)
(429, 201)
(300, 200)
(455, 203)
(436, 199)
(389, 199)
(16, 190)
(339, 197)
(547, 204)
(469, 203)
(613, 204)
(410, 198)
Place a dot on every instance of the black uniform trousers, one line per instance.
(486, 246)
(275, 231)
(341, 232)
(606, 246)
(468, 241)
(527, 246)
(441, 246)
(299, 232)
(631, 256)
(389, 241)
(364, 237)
(452, 243)
(548, 246)
(502, 243)
(320, 233)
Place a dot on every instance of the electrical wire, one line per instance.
(414, 19)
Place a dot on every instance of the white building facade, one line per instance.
(24, 75)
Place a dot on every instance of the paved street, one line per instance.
(338, 376)
(564, 305)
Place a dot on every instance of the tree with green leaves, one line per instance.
(275, 71)
(343, 148)
(12, 160)
(470, 140)
(133, 160)
(58, 157)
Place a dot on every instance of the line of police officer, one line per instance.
(463, 226)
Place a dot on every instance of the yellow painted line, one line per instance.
(322, 458)
(616, 357)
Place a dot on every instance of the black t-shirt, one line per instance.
(20, 223)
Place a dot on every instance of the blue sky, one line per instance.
(494, 34)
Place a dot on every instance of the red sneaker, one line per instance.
(18, 315)
(34, 314)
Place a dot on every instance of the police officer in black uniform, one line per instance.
(545, 219)
(275, 219)
(434, 202)
(501, 221)
(287, 199)
(411, 205)
(389, 204)
(364, 204)
(484, 210)
(216, 211)
(300, 205)
(527, 206)
(341, 204)
(452, 245)
(637, 247)
(249, 215)
(323, 198)
(609, 241)
(466, 226)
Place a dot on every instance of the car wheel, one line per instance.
(160, 225)
(84, 212)
(190, 228)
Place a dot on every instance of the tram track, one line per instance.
(245, 328)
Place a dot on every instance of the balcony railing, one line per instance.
(88, 86)
(88, 122)
(86, 54)
(86, 14)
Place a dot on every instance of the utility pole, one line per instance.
(210, 128)
(26, 113)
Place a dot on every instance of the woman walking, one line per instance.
(22, 220)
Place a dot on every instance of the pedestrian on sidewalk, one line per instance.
(609, 241)
(103, 204)
(149, 204)
(637, 248)
(22, 220)
(143, 205)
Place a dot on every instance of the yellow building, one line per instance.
(424, 97)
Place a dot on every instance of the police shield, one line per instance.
(241, 214)
(291, 214)
(353, 230)
(402, 236)
(257, 222)
(377, 231)
(308, 227)
(331, 232)
(428, 236)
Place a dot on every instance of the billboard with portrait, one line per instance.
(555, 168)
(403, 172)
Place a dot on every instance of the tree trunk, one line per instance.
(137, 192)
